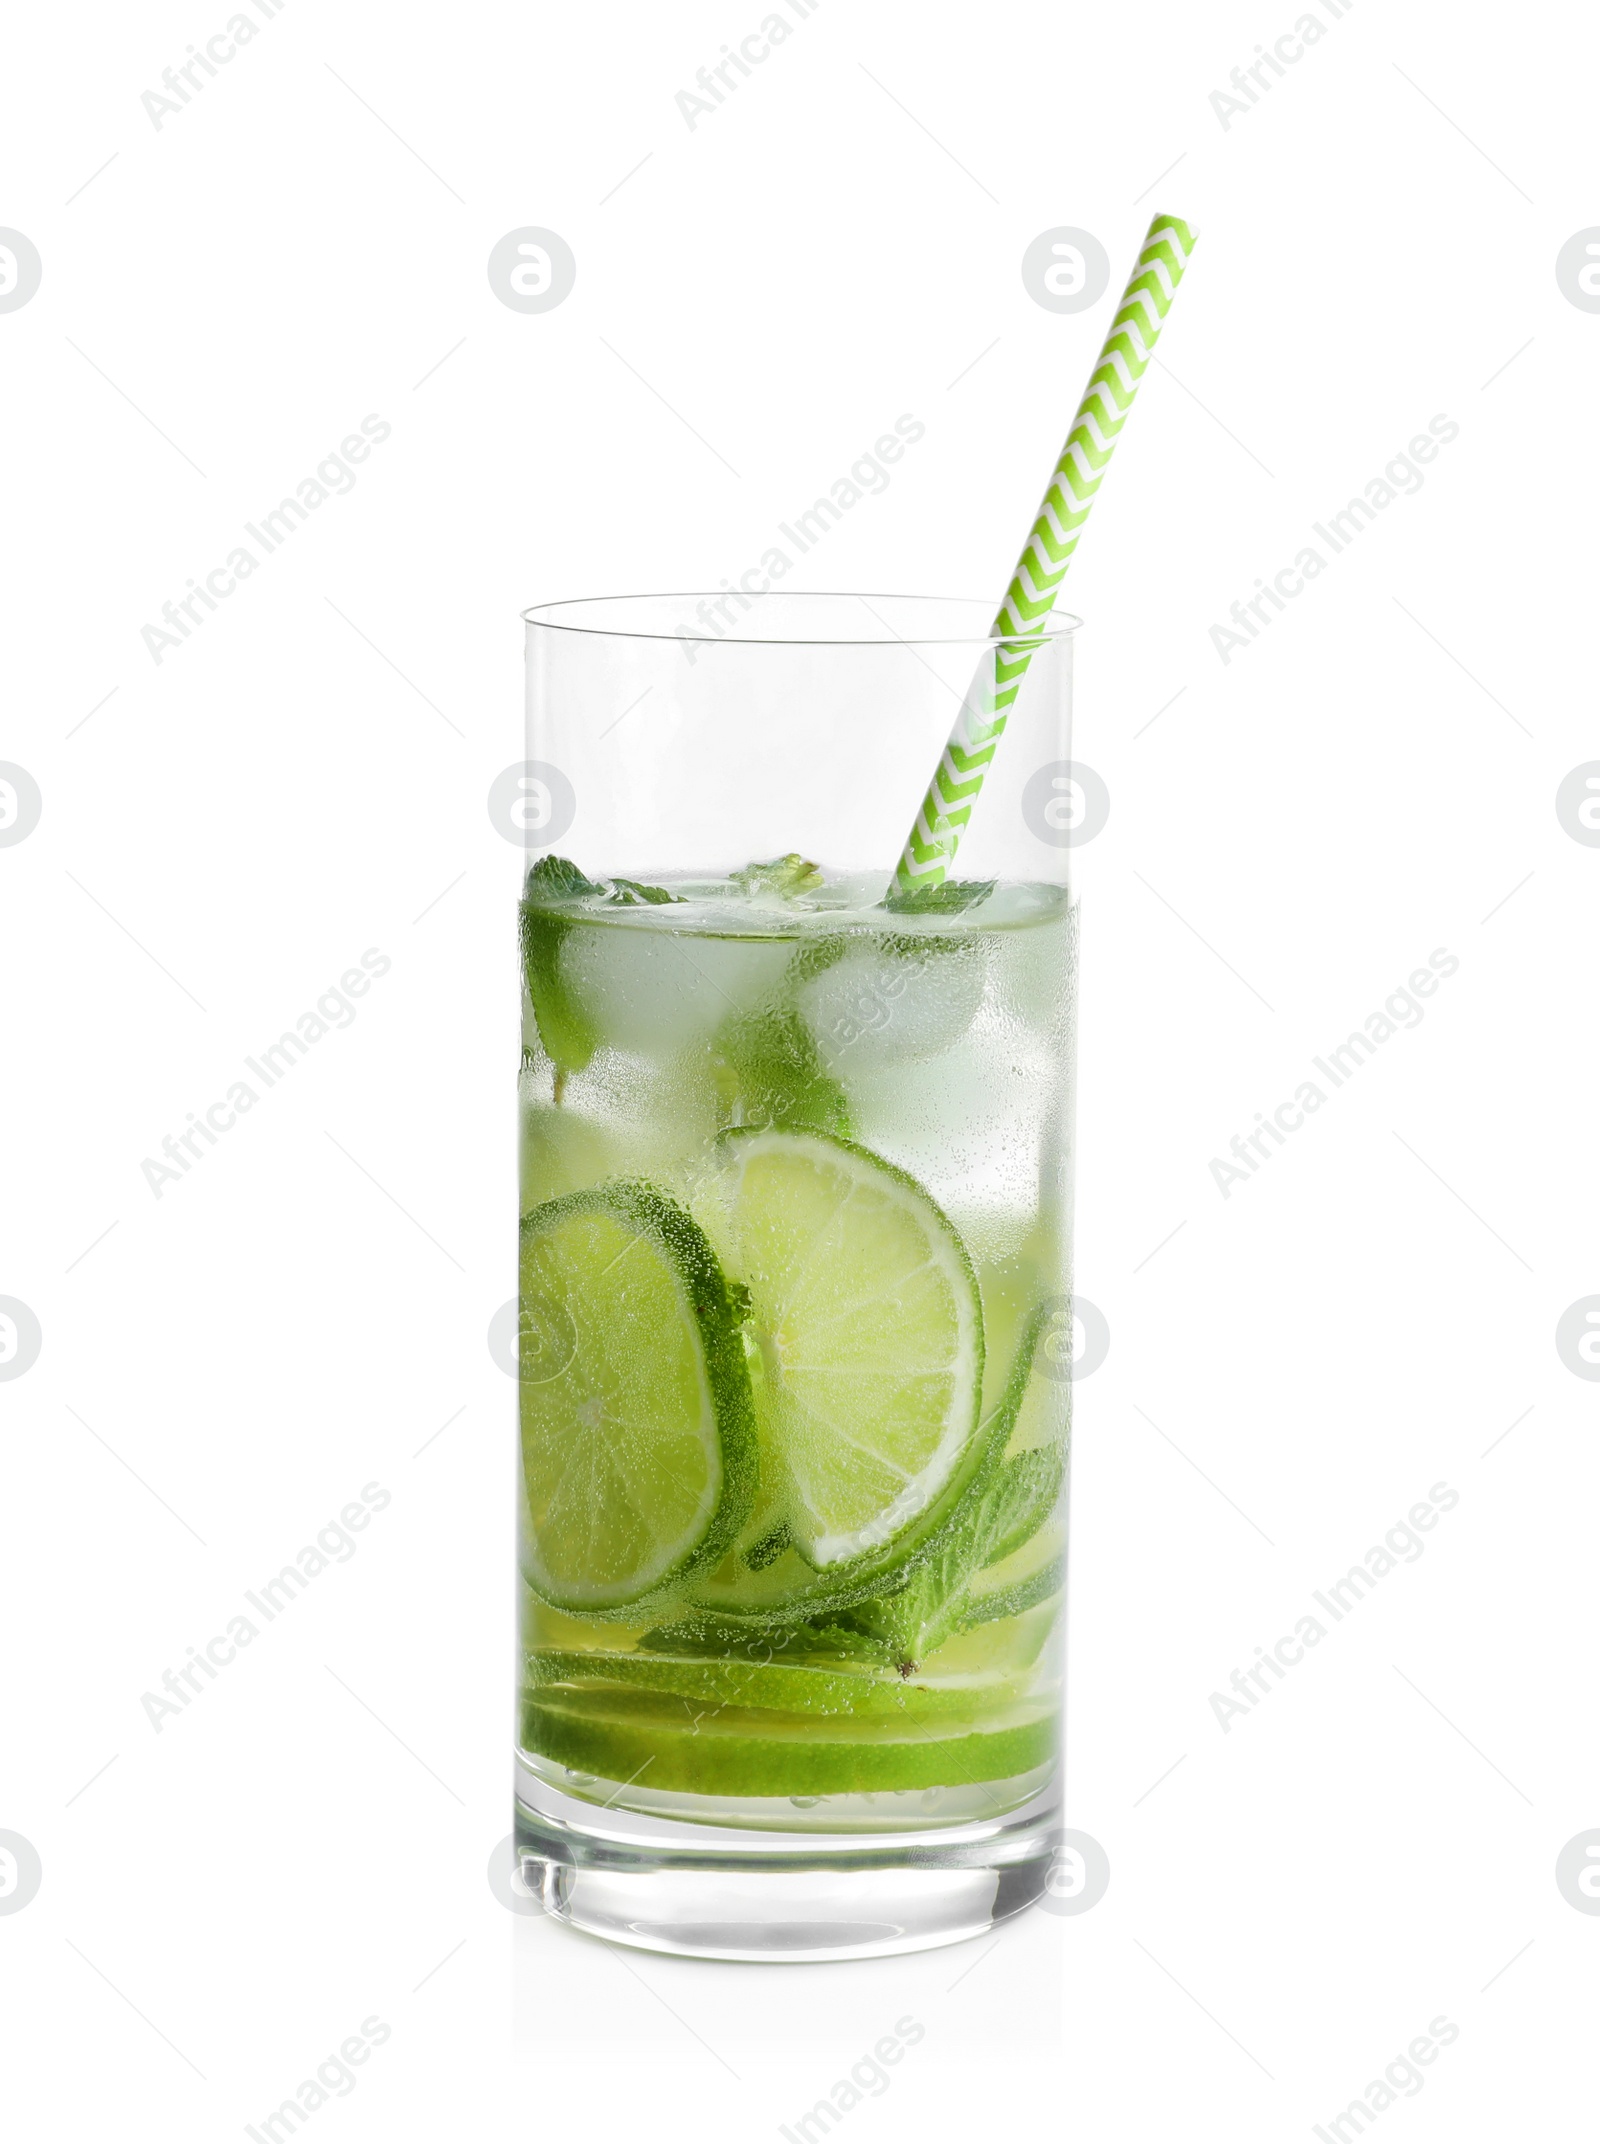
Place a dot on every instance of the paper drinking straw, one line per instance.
(1046, 555)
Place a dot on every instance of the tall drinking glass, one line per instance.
(794, 1329)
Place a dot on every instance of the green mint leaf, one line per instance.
(769, 1548)
(948, 898)
(775, 1076)
(1007, 1601)
(628, 893)
(784, 875)
(565, 1030)
(791, 1645)
(555, 878)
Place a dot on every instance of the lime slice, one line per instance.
(662, 1741)
(638, 1451)
(703, 1682)
(866, 1338)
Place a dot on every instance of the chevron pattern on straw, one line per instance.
(1123, 362)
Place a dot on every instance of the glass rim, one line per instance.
(1056, 625)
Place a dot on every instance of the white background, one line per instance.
(1291, 834)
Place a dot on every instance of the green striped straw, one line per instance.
(1046, 555)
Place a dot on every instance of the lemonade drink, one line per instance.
(794, 1346)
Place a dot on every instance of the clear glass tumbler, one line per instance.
(794, 1329)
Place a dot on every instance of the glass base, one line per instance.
(780, 1892)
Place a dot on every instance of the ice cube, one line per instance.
(969, 1125)
(562, 1152)
(654, 992)
(893, 1001)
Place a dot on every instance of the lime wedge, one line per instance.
(638, 1449)
(866, 1339)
